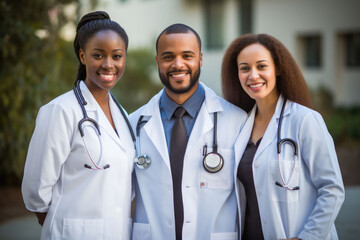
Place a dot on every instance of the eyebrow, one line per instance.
(256, 62)
(166, 53)
(101, 50)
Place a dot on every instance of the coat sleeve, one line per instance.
(319, 155)
(48, 149)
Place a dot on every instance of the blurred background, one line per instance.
(38, 63)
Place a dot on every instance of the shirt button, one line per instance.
(259, 191)
(264, 220)
(170, 223)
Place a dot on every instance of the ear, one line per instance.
(82, 56)
(201, 55)
(157, 63)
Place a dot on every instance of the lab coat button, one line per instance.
(259, 191)
(256, 164)
(264, 220)
(170, 223)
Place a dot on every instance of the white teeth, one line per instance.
(107, 76)
(256, 85)
(179, 75)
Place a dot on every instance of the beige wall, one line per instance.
(286, 19)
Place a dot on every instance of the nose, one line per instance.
(107, 63)
(178, 63)
(254, 74)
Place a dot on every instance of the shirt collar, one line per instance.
(192, 105)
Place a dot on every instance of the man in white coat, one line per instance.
(181, 194)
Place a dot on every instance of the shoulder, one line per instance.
(227, 107)
(134, 116)
(66, 102)
(305, 117)
(147, 109)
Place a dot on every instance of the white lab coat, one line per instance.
(80, 203)
(208, 198)
(308, 213)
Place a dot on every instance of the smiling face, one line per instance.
(179, 60)
(257, 75)
(104, 57)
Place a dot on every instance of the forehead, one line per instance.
(107, 38)
(255, 51)
(178, 42)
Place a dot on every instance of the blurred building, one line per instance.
(323, 35)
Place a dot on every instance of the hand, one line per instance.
(41, 217)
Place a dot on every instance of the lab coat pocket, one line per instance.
(224, 236)
(290, 177)
(222, 179)
(141, 231)
(83, 229)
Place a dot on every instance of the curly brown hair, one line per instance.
(289, 80)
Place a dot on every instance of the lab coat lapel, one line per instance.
(154, 127)
(204, 121)
(94, 111)
(124, 138)
(244, 137)
(271, 131)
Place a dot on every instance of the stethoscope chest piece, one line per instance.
(142, 161)
(213, 162)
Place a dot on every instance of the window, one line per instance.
(214, 21)
(352, 49)
(311, 50)
(245, 14)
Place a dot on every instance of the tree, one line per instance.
(36, 65)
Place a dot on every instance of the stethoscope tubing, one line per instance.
(81, 100)
(280, 142)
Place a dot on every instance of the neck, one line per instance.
(266, 108)
(101, 96)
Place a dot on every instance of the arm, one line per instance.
(48, 150)
(319, 155)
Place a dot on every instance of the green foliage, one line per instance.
(139, 82)
(33, 71)
(342, 123)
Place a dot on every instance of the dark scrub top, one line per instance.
(252, 225)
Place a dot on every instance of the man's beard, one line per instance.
(193, 80)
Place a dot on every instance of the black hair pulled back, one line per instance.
(90, 24)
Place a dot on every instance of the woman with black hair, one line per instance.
(77, 176)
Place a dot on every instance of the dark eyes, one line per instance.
(170, 57)
(100, 56)
(247, 68)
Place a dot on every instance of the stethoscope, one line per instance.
(80, 98)
(294, 145)
(212, 162)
